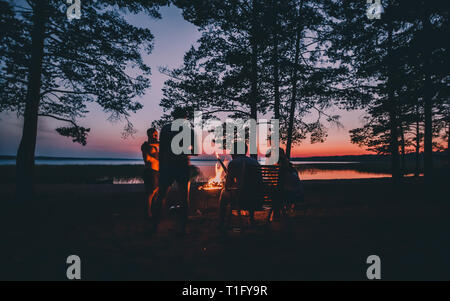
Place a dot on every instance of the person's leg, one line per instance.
(156, 207)
(252, 217)
(182, 178)
(150, 198)
(148, 189)
(146, 186)
(152, 189)
(276, 205)
(184, 186)
(224, 201)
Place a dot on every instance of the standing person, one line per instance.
(173, 167)
(151, 172)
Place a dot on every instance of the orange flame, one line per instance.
(216, 182)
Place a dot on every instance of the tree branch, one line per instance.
(68, 92)
(60, 119)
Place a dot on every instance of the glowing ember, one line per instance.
(215, 183)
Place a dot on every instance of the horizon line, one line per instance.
(194, 159)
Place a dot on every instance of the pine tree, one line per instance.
(52, 67)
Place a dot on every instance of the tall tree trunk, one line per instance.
(26, 151)
(402, 135)
(392, 112)
(254, 82)
(275, 61)
(417, 141)
(428, 106)
(448, 141)
(293, 96)
(254, 67)
(428, 137)
(294, 84)
(394, 140)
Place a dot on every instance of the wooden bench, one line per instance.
(271, 192)
(270, 176)
(271, 187)
(272, 183)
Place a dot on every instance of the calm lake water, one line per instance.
(76, 162)
(207, 169)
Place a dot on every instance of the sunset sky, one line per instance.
(173, 37)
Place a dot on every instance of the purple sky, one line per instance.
(173, 37)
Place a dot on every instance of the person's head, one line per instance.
(282, 154)
(152, 135)
(179, 113)
(237, 151)
(282, 157)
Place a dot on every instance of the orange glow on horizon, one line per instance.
(132, 147)
(303, 152)
(335, 146)
(326, 149)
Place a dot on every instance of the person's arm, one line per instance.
(154, 152)
(229, 179)
(145, 155)
(163, 144)
(192, 147)
(152, 157)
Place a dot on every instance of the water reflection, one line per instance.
(120, 181)
(345, 174)
(310, 173)
(343, 171)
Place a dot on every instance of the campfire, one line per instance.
(216, 182)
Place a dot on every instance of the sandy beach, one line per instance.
(345, 222)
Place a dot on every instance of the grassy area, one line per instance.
(344, 223)
(62, 174)
(77, 174)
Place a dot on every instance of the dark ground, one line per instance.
(346, 222)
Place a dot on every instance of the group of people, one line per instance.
(163, 167)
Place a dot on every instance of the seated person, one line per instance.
(243, 184)
(291, 186)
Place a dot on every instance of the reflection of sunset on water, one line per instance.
(318, 174)
(208, 172)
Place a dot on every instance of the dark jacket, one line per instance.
(244, 173)
(166, 155)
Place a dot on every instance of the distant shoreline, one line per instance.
(324, 158)
(3, 157)
(344, 158)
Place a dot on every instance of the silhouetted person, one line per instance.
(291, 188)
(243, 184)
(151, 172)
(173, 167)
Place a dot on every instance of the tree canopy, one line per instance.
(97, 58)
